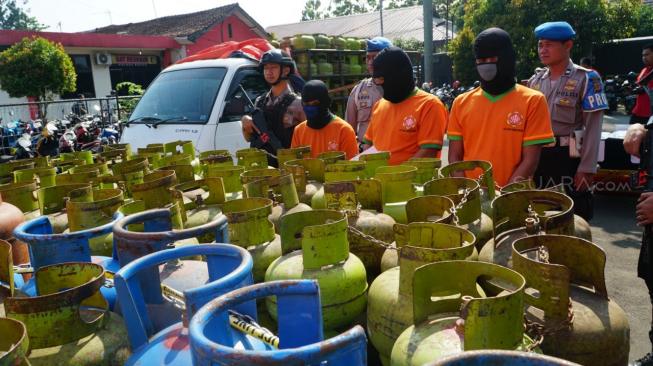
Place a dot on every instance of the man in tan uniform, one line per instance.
(576, 103)
(365, 93)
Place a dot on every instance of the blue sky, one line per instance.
(81, 15)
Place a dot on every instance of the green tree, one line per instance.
(409, 44)
(595, 21)
(12, 16)
(36, 67)
(644, 22)
(312, 10)
(349, 7)
(462, 56)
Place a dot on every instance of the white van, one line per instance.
(200, 101)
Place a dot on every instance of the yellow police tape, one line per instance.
(238, 321)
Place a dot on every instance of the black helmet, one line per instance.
(277, 56)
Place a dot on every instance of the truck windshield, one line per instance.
(183, 95)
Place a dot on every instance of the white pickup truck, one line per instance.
(200, 101)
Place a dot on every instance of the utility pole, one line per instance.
(154, 8)
(428, 39)
(381, 15)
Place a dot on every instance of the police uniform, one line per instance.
(576, 103)
(359, 104)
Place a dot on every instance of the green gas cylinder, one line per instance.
(466, 195)
(314, 246)
(252, 158)
(7, 169)
(14, 345)
(582, 228)
(84, 213)
(374, 161)
(338, 43)
(567, 298)
(338, 171)
(69, 322)
(309, 177)
(52, 202)
(45, 177)
(419, 209)
(482, 172)
(22, 195)
(284, 155)
(523, 213)
(230, 179)
(474, 306)
(397, 183)
(370, 231)
(281, 189)
(202, 203)
(427, 169)
(390, 301)
(303, 42)
(322, 41)
(250, 228)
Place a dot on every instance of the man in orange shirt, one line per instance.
(407, 122)
(322, 130)
(502, 122)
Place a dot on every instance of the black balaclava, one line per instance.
(396, 69)
(499, 77)
(317, 116)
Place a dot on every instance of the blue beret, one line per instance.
(555, 31)
(378, 44)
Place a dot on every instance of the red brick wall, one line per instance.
(219, 33)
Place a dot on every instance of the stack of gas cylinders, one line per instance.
(166, 256)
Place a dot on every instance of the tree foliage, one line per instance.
(36, 67)
(312, 10)
(464, 66)
(595, 21)
(12, 16)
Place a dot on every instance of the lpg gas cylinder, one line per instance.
(481, 171)
(158, 148)
(390, 301)
(250, 228)
(309, 177)
(252, 158)
(427, 169)
(85, 155)
(229, 267)
(418, 209)
(215, 158)
(69, 323)
(183, 148)
(85, 214)
(473, 306)
(284, 155)
(155, 190)
(501, 358)
(183, 172)
(397, 185)
(331, 157)
(369, 231)
(338, 171)
(48, 248)
(88, 176)
(234, 339)
(14, 345)
(524, 213)
(102, 167)
(156, 235)
(582, 228)
(566, 297)
(7, 169)
(374, 161)
(466, 195)
(206, 204)
(44, 176)
(283, 193)
(314, 245)
(52, 203)
(10, 277)
(230, 179)
(22, 195)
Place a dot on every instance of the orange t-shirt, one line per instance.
(405, 127)
(496, 128)
(337, 135)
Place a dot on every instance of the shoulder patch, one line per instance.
(594, 99)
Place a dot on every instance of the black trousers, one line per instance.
(555, 168)
(637, 119)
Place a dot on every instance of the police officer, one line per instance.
(576, 104)
(365, 93)
(281, 107)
